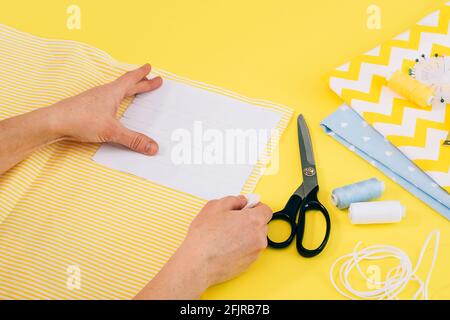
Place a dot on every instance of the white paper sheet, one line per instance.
(203, 121)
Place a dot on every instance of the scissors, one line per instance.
(303, 200)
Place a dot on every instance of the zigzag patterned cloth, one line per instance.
(418, 132)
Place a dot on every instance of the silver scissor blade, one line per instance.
(304, 141)
(307, 156)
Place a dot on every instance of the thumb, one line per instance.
(135, 141)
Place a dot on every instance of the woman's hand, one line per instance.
(91, 115)
(226, 238)
(87, 117)
(222, 242)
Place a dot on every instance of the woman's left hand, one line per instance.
(91, 115)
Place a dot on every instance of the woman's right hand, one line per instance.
(222, 242)
(226, 238)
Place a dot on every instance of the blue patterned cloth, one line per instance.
(349, 128)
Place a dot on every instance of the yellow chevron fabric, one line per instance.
(418, 132)
(70, 228)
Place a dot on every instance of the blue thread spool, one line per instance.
(359, 192)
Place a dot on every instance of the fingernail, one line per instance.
(151, 149)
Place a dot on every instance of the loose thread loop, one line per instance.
(397, 278)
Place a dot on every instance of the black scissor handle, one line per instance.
(288, 214)
(311, 203)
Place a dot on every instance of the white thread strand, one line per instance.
(397, 278)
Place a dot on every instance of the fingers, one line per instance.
(145, 85)
(134, 76)
(233, 202)
(262, 211)
(135, 81)
(134, 140)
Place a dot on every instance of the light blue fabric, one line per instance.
(349, 128)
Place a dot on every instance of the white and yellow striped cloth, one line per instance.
(60, 212)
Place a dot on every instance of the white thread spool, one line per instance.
(376, 212)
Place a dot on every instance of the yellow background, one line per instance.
(277, 50)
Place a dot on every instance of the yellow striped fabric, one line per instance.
(60, 211)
